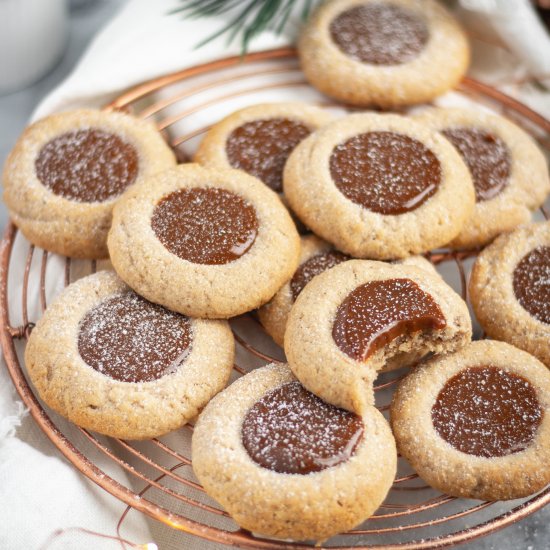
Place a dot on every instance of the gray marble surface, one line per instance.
(86, 17)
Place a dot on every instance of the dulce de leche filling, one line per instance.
(292, 431)
(379, 33)
(488, 412)
(205, 225)
(314, 266)
(87, 165)
(487, 158)
(385, 172)
(378, 312)
(130, 339)
(262, 147)
(532, 283)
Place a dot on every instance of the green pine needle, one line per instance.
(255, 17)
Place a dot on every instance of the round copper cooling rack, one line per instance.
(155, 477)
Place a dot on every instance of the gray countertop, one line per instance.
(15, 109)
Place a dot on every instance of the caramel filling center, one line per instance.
(205, 225)
(291, 431)
(130, 339)
(385, 172)
(378, 312)
(486, 411)
(87, 165)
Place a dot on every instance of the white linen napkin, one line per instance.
(518, 28)
(144, 41)
(39, 490)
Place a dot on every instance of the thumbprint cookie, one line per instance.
(112, 362)
(316, 256)
(509, 171)
(476, 423)
(383, 52)
(286, 464)
(67, 171)
(204, 242)
(361, 317)
(510, 289)
(379, 186)
(259, 139)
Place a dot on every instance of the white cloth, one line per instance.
(511, 49)
(39, 490)
(517, 27)
(144, 41)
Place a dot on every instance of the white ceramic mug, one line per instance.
(33, 34)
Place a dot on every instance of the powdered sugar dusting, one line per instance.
(205, 225)
(261, 148)
(292, 431)
(314, 266)
(487, 157)
(380, 34)
(487, 411)
(532, 283)
(385, 172)
(132, 340)
(87, 165)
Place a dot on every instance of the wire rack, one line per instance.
(155, 477)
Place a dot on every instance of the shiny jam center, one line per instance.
(87, 165)
(291, 431)
(487, 158)
(262, 147)
(130, 339)
(379, 34)
(385, 172)
(532, 283)
(378, 312)
(488, 412)
(205, 225)
(314, 266)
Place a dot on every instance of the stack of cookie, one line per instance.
(298, 450)
(139, 353)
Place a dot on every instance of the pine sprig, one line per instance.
(255, 17)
